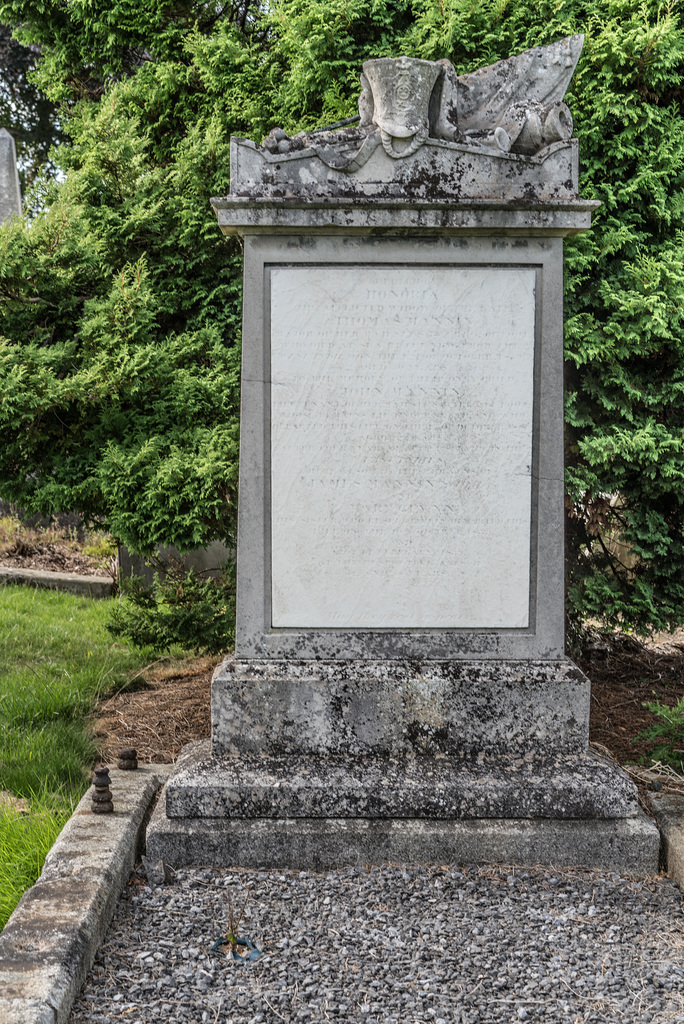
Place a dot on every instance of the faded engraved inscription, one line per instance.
(401, 446)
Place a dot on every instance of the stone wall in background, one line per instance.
(207, 560)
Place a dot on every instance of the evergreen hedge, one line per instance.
(121, 301)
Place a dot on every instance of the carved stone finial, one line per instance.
(401, 90)
(426, 132)
(102, 795)
(520, 95)
(127, 759)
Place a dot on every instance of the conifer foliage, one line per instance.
(120, 302)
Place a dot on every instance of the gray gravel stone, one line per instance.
(394, 944)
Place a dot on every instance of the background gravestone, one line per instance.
(10, 192)
(399, 689)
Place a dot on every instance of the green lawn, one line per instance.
(56, 658)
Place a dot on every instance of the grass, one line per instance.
(56, 659)
(25, 840)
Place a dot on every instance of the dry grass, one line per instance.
(56, 548)
(171, 708)
(658, 775)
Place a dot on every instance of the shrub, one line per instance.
(121, 300)
(179, 608)
(667, 733)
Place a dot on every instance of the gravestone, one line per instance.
(10, 193)
(399, 690)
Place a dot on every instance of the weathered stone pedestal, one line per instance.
(399, 690)
(327, 764)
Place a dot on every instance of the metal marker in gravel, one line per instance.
(395, 944)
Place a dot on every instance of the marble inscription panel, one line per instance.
(401, 445)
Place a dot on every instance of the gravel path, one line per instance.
(394, 945)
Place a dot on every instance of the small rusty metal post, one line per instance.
(102, 797)
(127, 759)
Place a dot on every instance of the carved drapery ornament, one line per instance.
(515, 105)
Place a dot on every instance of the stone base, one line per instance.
(314, 786)
(322, 764)
(627, 845)
(322, 812)
(358, 708)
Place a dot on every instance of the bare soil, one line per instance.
(174, 707)
(53, 558)
(624, 675)
(55, 549)
(171, 704)
(171, 708)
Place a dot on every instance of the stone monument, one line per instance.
(10, 193)
(399, 690)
